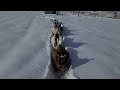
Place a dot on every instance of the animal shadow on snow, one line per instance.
(68, 42)
(76, 61)
(67, 32)
(72, 46)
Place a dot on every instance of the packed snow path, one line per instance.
(93, 44)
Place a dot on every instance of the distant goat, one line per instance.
(57, 27)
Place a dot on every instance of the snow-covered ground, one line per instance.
(93, 44)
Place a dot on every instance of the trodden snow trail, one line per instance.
(69, 75)
(49, 74)
(48, 52)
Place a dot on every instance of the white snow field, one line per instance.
(93, 44)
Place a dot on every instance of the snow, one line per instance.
(93, 44)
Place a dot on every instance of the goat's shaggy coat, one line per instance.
(60, 58)
(56, 40)
(57, 27)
